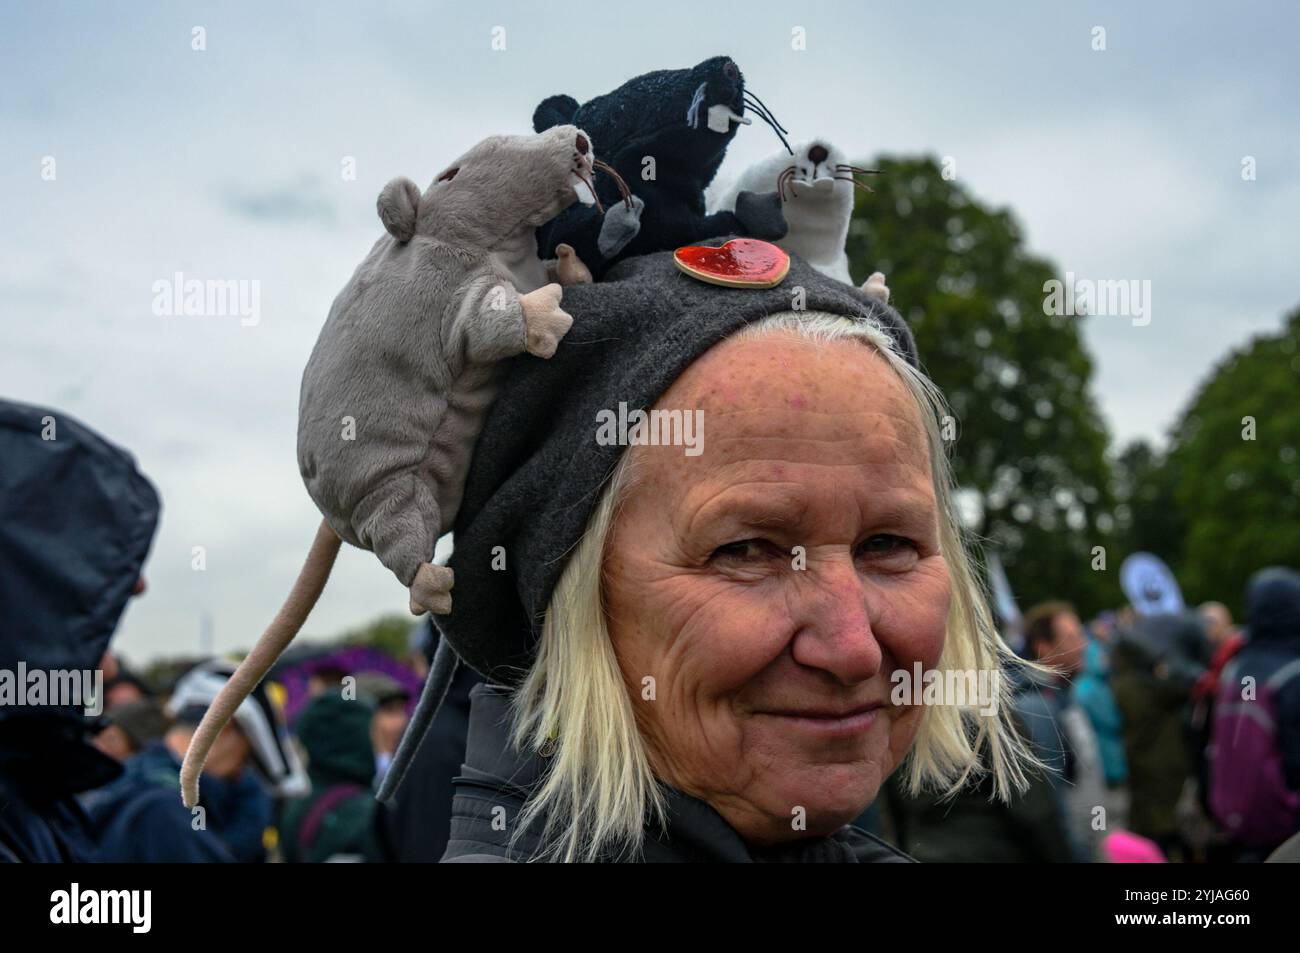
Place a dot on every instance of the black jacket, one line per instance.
(76, 522)
(417, 822)
(495, 775)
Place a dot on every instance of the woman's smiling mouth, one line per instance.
(828, 721)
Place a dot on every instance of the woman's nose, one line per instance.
(834, 631)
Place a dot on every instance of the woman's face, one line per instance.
(771, 584)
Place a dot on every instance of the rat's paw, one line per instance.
(544, 321)
(569, 268)
(761, 216)
(875, 287)
(620, 227)
(431, 590)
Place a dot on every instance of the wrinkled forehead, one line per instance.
(782, 399)
(784, 369)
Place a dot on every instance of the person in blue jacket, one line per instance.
(138, 818)
(252, 763)
(1092, 693)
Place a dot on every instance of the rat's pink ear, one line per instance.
(399, 205)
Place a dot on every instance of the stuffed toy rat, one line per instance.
(402, 375)
(816, 186)
(682, 119)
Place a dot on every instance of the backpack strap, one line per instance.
(315, 817)
(1283, 675)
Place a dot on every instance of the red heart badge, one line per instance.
(740, 263)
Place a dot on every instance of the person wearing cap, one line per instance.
(138, 818)
(252, 764)
(691, 625)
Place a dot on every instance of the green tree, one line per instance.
(1030, 451)
(389, 633)
(1232, 462)
(1146, 515)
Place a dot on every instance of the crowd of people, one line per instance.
(1166, 737)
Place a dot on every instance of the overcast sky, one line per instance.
(227, 162)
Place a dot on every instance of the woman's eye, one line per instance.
(886, 546)
(741, 549)
(882, 543)
(889, 551)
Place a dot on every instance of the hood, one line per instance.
(76, 522)
(336, 734)
(1273, 605)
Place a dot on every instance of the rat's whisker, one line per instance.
(591, 187)
(762, 105)
(772, 123)
(849, 178)
(760, 111)
(768, 118)
(782, 178)
(618, 180)
(786, 178)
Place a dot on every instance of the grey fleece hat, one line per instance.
(538, 471)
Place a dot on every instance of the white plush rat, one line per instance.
(816, 186)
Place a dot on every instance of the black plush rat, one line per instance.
(683, 120)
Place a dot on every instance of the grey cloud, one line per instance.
(291, 203)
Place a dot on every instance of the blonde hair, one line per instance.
(599, 794)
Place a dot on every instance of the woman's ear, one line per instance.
(554, 111)
(399, 206)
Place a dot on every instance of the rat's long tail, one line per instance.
(302, 598)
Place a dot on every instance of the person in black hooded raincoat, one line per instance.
(76, 522)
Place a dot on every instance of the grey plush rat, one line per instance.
(402, 376)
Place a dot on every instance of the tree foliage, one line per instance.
(1031, 445)
(1232, 464)
(389, 633)
(1147, 517)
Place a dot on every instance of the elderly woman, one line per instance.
(691, 626)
